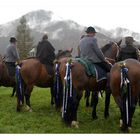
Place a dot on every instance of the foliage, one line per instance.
(25, 42)
(45, 119)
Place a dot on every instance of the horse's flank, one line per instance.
(126, 97)
(34, 73)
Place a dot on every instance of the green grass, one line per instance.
(45, 119)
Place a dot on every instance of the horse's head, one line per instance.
(111, 50)
(63, 53)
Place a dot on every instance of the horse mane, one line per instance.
(62, 53)
(106, 47)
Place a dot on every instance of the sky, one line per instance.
(107, 14)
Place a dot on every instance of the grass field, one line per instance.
(45, 119)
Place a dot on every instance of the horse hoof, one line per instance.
(129, 129)
(61, 109)
(58, 110)
(28, 109)
(75, 124)
(106, 116)
(94, 117)
(121, 123)
(88, 109)
(18, 109)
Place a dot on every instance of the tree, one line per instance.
(24, 40)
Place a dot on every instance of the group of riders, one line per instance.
(88, 49)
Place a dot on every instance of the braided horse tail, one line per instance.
(19, 88)
(126, 98)
(68, 94)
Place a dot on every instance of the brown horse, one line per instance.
(5, 79)
(125, 86)
(81, 81)
(31, 72)
(111, 54)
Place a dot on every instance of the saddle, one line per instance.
(93, 69)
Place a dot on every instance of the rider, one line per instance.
(46, 53)
(89, 49)
(11, 56)
(78, 49)
(128, 50)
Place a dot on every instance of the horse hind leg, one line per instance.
(92, 100)
(139, 100)
(77, 98)
(95, 102)
(52, 96)
(13, 92)
(133, 106)
(27, 94)
(87, 96)
(107, 103)
(127, 122)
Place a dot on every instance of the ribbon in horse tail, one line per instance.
(67, 92)
(56, 83)
(19, 85)
(126, 93)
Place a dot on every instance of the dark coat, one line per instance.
(45, 52)
(127, 52)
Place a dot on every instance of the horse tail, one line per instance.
(126, 97)
(19, 86)
(68, 101)
(57, 87)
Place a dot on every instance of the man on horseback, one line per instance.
(128, 50)
(11, 56)
(89, 50)
(46, 53)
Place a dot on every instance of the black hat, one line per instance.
(13, 39)
(90, 30)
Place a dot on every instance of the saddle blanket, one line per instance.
(93, 69)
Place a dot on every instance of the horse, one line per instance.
(31, 72)
(124, 83)
(111, 54)
(76, 80)
(6, 79)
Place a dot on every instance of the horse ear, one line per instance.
(119, 43)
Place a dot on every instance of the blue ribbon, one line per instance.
(68, 89)
(19, 83)
(57, 84)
